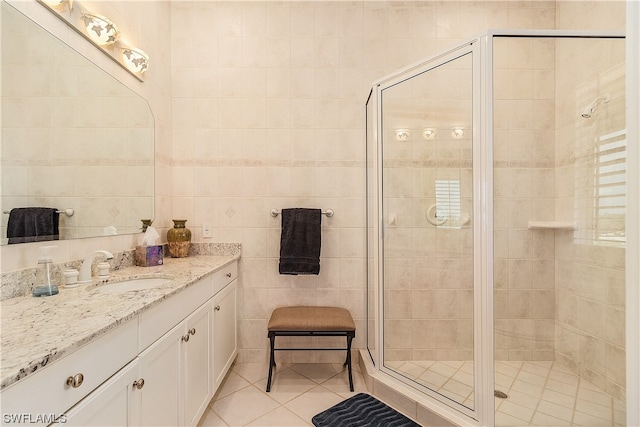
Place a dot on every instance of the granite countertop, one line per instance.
(38, 331)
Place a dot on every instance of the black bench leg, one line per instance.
(347, 362)
(272, 359)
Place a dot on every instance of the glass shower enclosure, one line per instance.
(495, 172)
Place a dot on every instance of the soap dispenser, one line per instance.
(43, 287)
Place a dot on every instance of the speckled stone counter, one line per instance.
(38, 331)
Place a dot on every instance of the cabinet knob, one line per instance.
(192, 331)
(138, 383)
(228, 275)
(185, 338)
(217, 308)
(75, 381)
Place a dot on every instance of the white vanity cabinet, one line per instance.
(178, 367)
(113, 404)
(225, 331)
(196, 385)
(177, 373)
(49, 392)
(161, 368)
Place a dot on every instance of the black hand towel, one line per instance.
(33, 225)
(300, 241)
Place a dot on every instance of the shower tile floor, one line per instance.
(539, 393)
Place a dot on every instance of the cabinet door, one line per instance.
(111, 404)
(160, 369)
(225, 331)
(197, 387)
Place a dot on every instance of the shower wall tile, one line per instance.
(524, 179)
(588, 273)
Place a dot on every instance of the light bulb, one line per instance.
(403, 134)
(457, 133)
(429, 133)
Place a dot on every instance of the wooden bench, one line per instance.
(310, 321)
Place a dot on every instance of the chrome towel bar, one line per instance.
(67, 212)
(328, 212)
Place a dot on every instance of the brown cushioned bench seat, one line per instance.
(311, 321)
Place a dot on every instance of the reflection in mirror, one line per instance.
(72, 136)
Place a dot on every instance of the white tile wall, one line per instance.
(274, 103)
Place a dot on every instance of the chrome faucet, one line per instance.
(85, 269)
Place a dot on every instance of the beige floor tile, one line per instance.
(443, 369)
(339, 384)
(566, 400)
(522, 399)
(252, 372)
(503, 419)
(280, 417)
(517, 411)
(582, 419)
(232, 383)
(561, 387)
(318, 372)
(313, 402)
(301, 391)
(244, 406)
(594, 409)
(595, 396)
(211, 419)
(288, 384)
(531, 378)
(508, 368)
(540, 419)
(558, 411)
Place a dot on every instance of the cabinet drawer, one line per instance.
(46, 392)
(159, 319)
(224, 276)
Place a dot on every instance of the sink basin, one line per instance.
(138, 284)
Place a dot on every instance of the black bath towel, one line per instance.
(300, 241)
(33, 225)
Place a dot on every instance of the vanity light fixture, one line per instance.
(403, 134)
(136, 59)
(457, 132)
(59, 4)
(102, 31)
(429, 133)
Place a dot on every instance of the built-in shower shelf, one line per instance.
(552, 225)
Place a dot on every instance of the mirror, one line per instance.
(73, 137)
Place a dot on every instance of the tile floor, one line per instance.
(298, 392)
(540, 393)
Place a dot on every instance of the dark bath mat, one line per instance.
(361, 410)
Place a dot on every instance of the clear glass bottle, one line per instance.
(44, 287)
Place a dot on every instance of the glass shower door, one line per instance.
(428, 240)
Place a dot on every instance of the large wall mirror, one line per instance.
(73, 137)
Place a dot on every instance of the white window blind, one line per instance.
(610, 187)
(448, 203)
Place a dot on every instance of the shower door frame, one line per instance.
(481, 48)
(483, 338)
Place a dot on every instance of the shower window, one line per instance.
(447, 209)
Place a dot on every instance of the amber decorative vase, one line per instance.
(179, 239)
